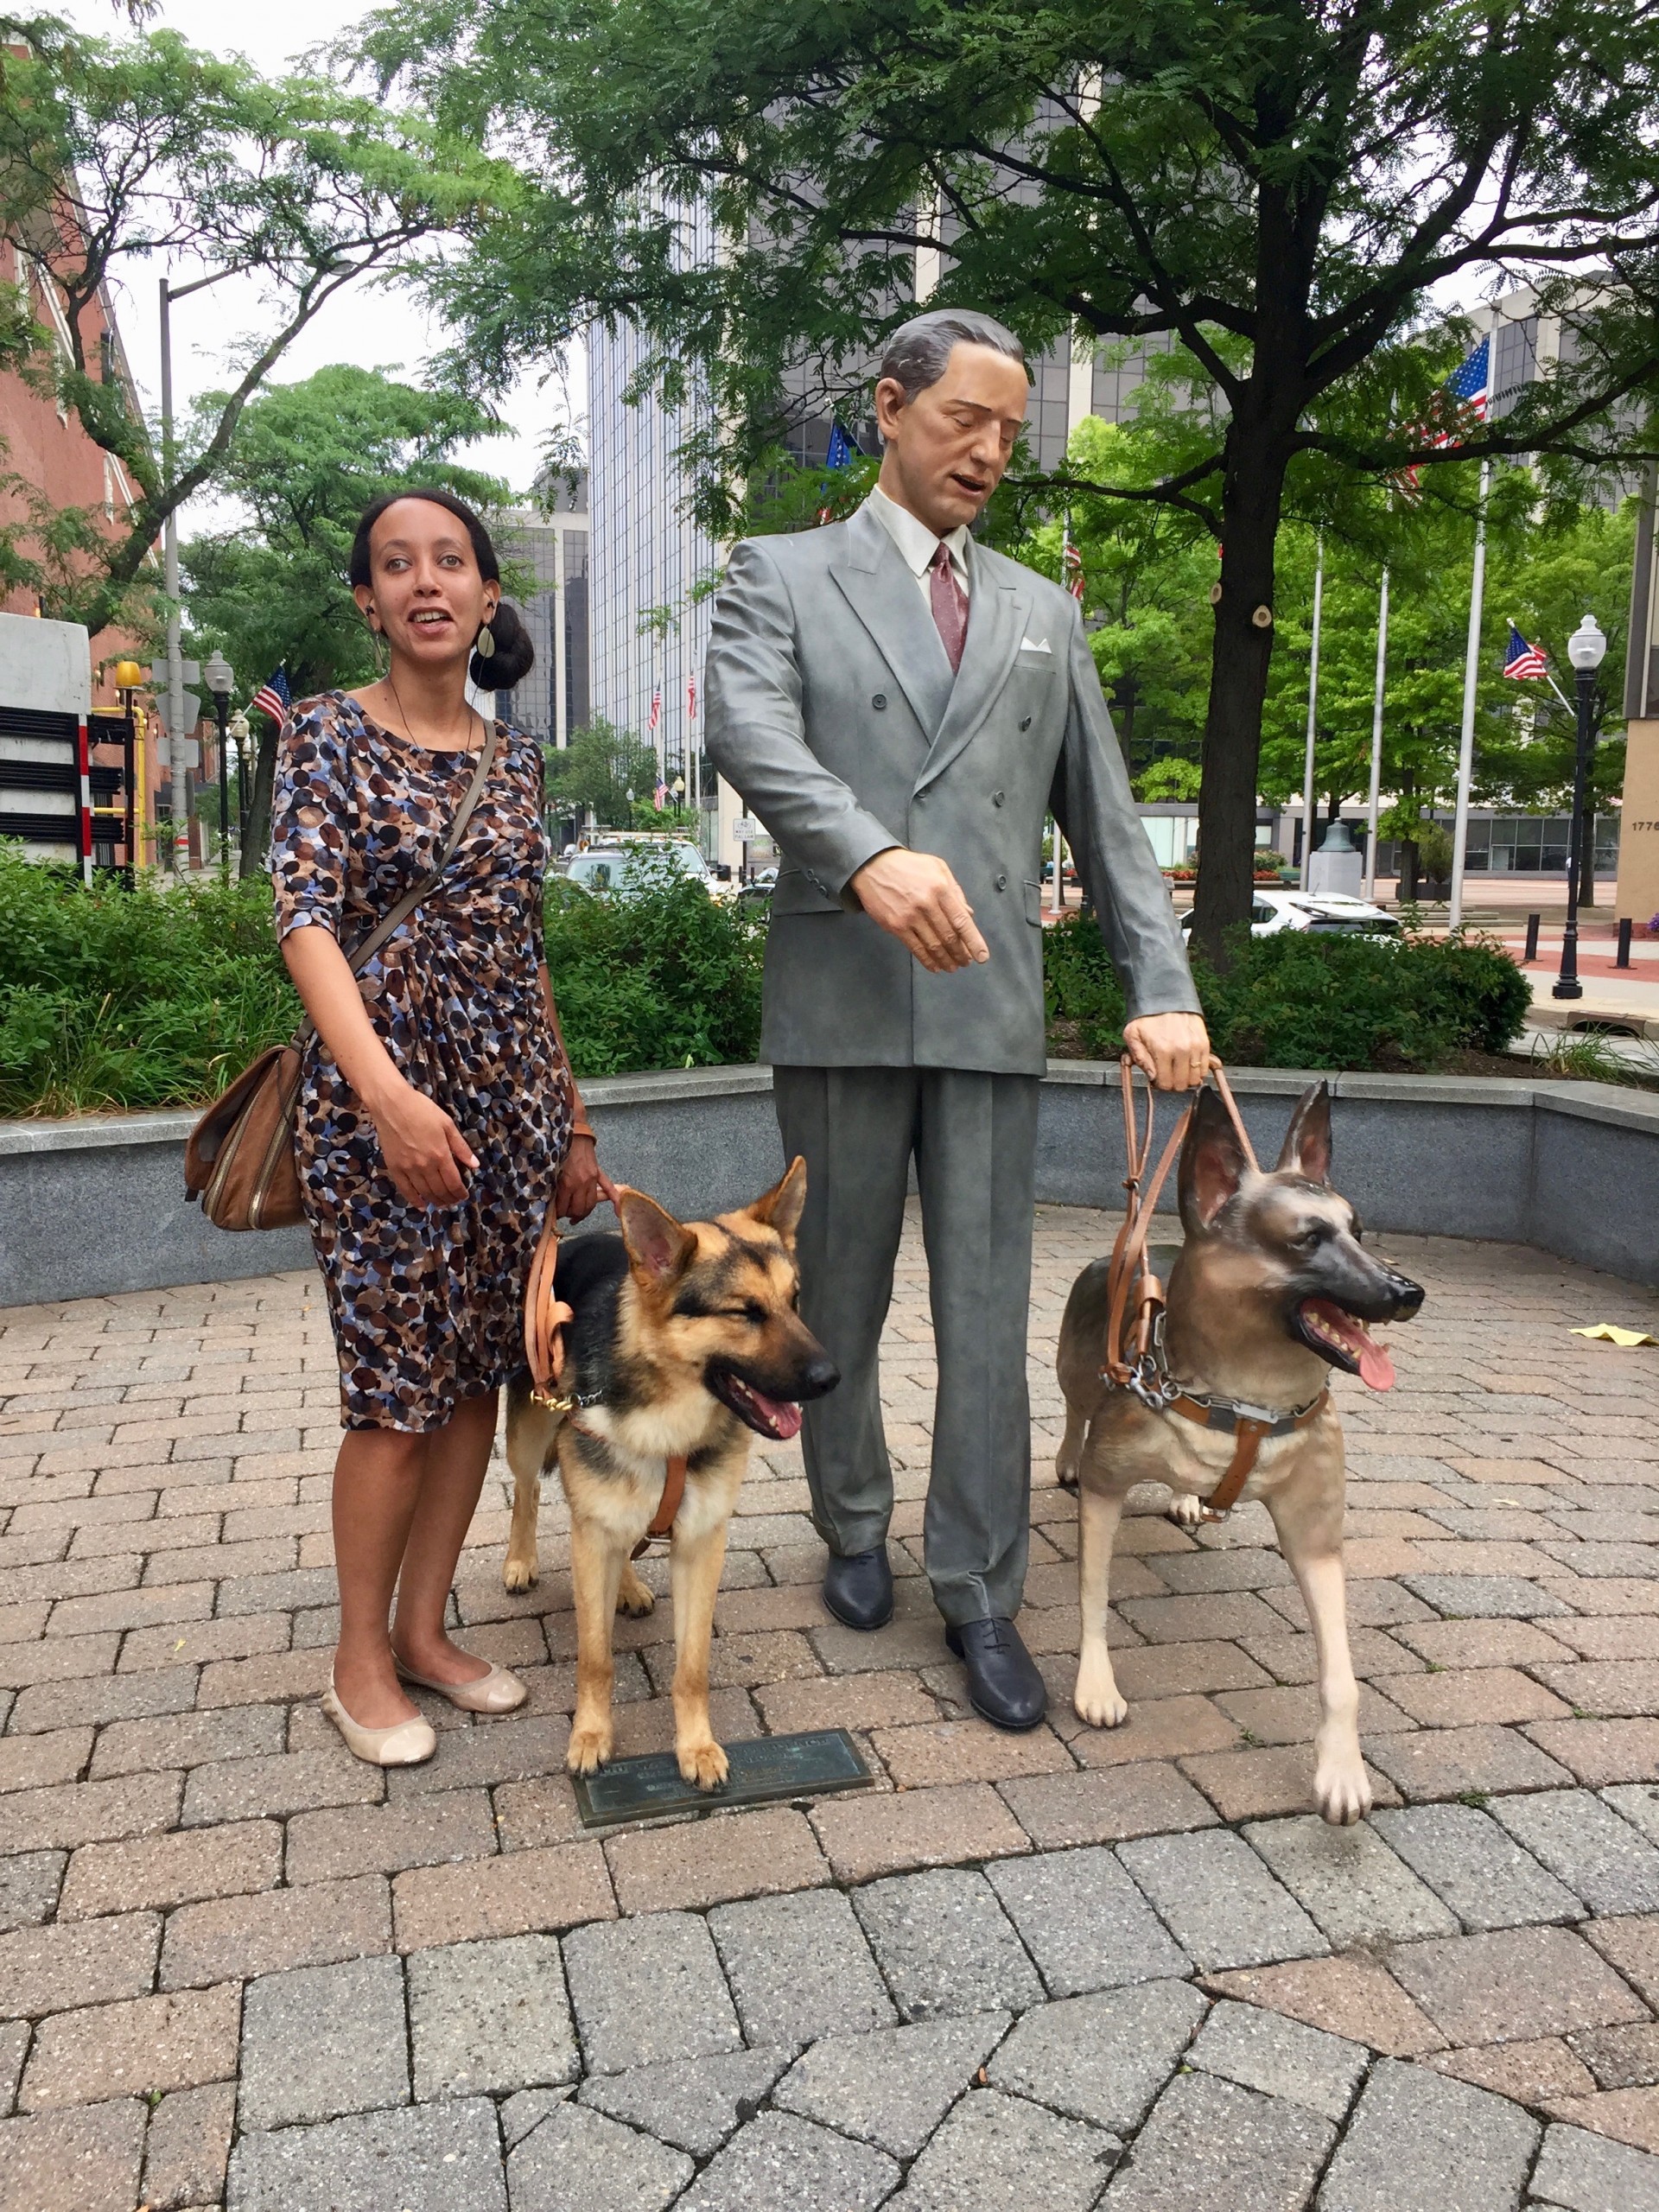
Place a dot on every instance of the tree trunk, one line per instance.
(258, 836)
(1238, 682)
(1407, 886)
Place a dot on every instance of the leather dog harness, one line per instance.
(545, 1316)
(1135, 1333)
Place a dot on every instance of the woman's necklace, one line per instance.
(470, 712)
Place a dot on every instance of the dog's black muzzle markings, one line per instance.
(1331, 1300)
(770, 1403)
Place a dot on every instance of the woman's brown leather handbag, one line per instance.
(239, 1160)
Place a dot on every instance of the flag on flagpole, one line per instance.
(1464, 393)
(1523, 661)
(842, 454)
(691, 698)
(1072, 573)
(661, 796)
(272, 698)
(656, 714)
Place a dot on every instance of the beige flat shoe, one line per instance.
(497, 1692)
(407, 1742)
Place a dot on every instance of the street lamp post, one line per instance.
(219, 677)
(1584, 649)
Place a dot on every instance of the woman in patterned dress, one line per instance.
(439, 1120)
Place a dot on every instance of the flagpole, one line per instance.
(1471, 684)
(1313, 713)
(1377, 737)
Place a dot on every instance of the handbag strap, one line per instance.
(388, 925)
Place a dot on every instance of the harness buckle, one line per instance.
(562, 1401)
(1149, 1385)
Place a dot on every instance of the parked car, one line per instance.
(1329, 913)
(625, 866)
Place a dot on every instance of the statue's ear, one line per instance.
(659, 1246)
(1307, 1148)
(1212, 1164)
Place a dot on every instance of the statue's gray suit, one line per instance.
(833, 709)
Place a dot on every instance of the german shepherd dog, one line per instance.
(685, 1341)
(1272, 1287)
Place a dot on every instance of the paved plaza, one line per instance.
(1054, 1971)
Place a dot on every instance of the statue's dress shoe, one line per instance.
(1003, 1684)
(858, 1589)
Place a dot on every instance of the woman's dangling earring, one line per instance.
(485, 647)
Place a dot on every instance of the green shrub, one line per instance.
(1299, 1000)
(658, 975)
(112, 998)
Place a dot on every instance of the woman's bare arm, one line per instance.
(423, 1150)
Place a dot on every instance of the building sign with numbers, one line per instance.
(747, 830)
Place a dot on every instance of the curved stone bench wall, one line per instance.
(96, 1206)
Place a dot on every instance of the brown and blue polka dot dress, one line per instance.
(426, 1301)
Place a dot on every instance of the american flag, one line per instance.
(691, 698)
(272, 698)
(661, 796)
(1523, 661)
(1464, 393)
(655, 715)
(1072, 573)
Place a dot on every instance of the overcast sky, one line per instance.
(365, 325)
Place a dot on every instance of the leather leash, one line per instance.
(545, 1316)
(1134, 1358)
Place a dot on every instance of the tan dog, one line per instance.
(685, 1341)
(1271, 1287)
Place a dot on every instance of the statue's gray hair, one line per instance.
(920, 351)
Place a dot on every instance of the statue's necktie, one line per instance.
(950, 605)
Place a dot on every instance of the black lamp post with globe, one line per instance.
(1586, 649)
(218, 676)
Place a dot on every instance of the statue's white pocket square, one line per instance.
(1033, 645)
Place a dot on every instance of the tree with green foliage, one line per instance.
(141, 150)
(1284, 189)
(611, 770)
(272, 589)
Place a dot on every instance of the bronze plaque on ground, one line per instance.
(763, 1768)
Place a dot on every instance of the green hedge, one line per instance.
(1296, 999)
(113, 999)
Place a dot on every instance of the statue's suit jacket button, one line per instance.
(1001, 882)
(998, 798)
(879, 699)
(1027, 723)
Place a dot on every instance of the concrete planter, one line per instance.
(96, 1206)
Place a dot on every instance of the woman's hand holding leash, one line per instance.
(582, 1182)
(1171, 1049)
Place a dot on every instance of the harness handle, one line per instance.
(545, 1316)
(1128, 1251)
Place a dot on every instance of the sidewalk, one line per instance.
(1058, 1970)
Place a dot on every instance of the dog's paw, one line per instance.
(589, 1748)
(1098, 1698)
(1185, 1512)
(704, 1764)
(519, 1574)
(634, 1597)
(1342, 1789)
(1065, 1471)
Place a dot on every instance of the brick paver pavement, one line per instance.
(1064, 1969)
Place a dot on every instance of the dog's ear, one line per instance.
(657, 1244)
(1212, 1163)
(1307, 1148)
(780, 1209)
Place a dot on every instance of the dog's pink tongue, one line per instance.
(784, 1416)
(1376, 1368)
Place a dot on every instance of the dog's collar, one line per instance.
(1151, 1383)
(566, 1401)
